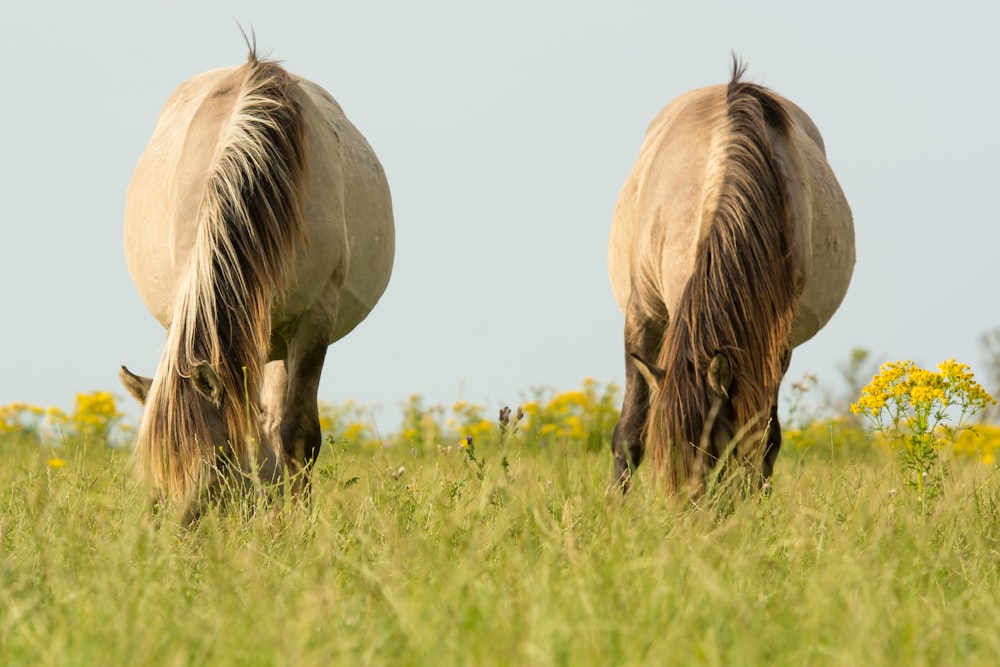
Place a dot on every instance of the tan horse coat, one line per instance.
(254, 189)
(348, 207)
(667, 200)
(665, 208)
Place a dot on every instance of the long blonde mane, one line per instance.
(740, 299)
(249, 222)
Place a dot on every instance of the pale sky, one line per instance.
(506, 131)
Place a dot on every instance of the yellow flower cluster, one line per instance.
(468, 421)
(901, 385)
(353, 431)
(95, 414)
(22, 418)
(982, 443)
(587, 415)
(347, 422)
(95, 418)
(422, 427)
(913, 407)
(962, 384)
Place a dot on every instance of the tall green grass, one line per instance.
(528, 563)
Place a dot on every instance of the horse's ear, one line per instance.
(208, 383)
(650, 373)
(136, 385)
(720, 375)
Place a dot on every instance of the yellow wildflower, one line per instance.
(353, 431)
(911, 407)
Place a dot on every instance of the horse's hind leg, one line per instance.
(643, 337)
(300, 434)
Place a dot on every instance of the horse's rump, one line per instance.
(731, 243)
(258, 227)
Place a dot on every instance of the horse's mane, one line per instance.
(740, 299)
(249, 222)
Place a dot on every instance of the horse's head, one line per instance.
(199, 451)
(694, 424)
(207, 385)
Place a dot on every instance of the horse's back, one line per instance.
(661, 210)
(350, 240)
(671, 193)
(168, 184)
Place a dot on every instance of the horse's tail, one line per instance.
(250, 219)
(252, 215)
(741, 298)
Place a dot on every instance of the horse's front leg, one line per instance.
(643, 337)
(773, 442)
(270, 456)
(773, 445)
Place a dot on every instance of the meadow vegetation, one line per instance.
(471, 537)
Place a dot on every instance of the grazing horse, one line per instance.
(731, 244)
(258, 230)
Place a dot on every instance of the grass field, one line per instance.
(417, 555)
